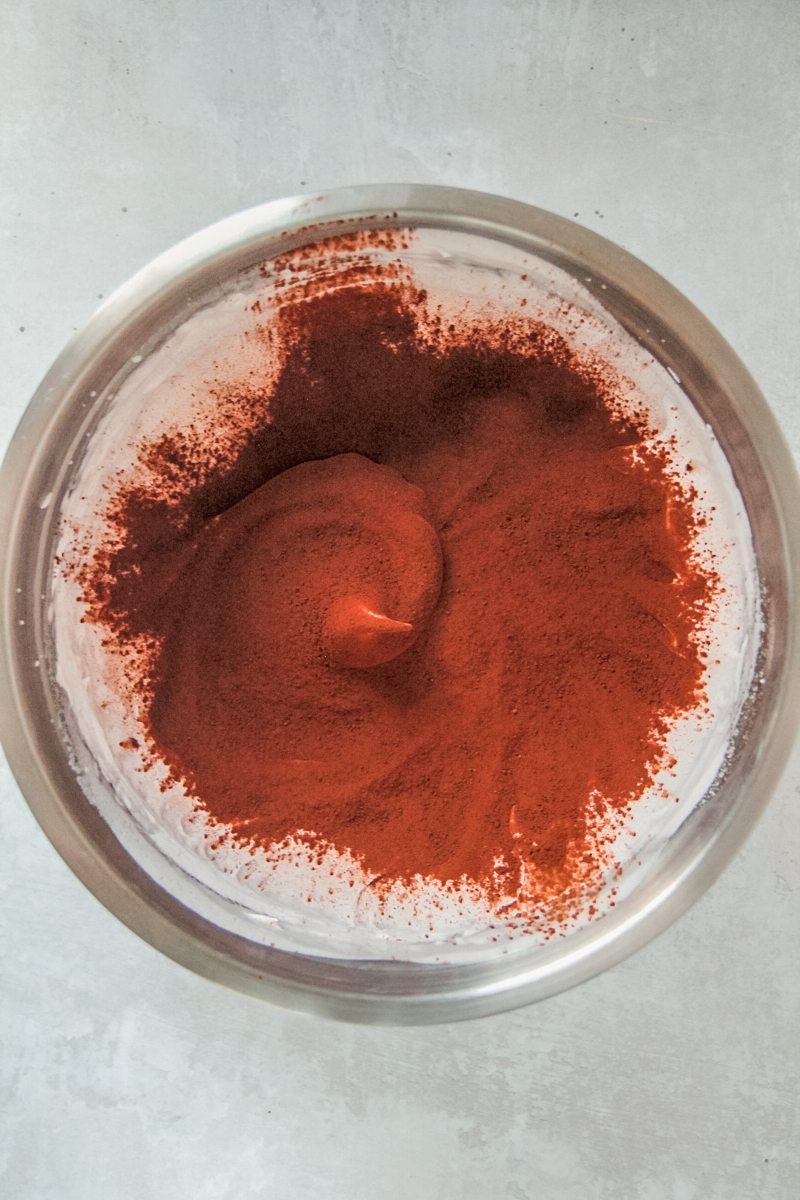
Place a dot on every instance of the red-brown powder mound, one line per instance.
(549, 654)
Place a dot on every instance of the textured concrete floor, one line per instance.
(671, 128)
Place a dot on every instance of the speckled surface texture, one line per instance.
(670, 128)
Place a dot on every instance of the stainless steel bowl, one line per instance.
(152, 902)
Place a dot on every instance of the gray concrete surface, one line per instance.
(671, 128)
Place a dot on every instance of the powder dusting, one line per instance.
(430, 596)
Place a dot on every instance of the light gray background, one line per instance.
(673, 129)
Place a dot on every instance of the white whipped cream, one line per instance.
(283, 898)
